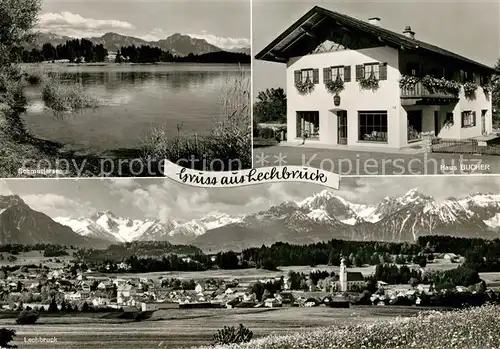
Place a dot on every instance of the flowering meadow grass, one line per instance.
(474, 328)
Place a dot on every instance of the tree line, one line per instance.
(75, 50)
(83, 50)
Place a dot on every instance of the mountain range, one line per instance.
(19, 224)
(177, 44)
(321, 217)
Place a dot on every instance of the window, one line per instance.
(306, 75)
(484, 80)
(308, 124)
(373, 126)
(372, 68)
(341, 72)
(414, 69)
(337, 72)
(466, 76)
(364, 71)
(468, 118)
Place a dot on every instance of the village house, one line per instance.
(451, 258)
(125, 292)
(355, 83)
(272, 303)
(153, 306)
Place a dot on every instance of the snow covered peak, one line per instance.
(413, 195)
(323, 195)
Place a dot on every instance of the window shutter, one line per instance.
(315, 76)
(359, 72)
(326, 78)
(347, 73)
(383, 71)
(298, 76)
(473, 118)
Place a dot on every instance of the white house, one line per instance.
(355, 83)
(125, 292)
(153, 306)
(272, 303)
(451, 258)
(198, 288)
(73, 296)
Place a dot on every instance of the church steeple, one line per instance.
(343, 276)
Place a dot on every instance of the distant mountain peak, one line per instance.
(178, 44)
(416, 193)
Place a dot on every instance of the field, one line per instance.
(176, 328)
(476, 328)
(35, 258)
(249, 275)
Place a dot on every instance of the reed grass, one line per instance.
(226, 147)
(63, 98)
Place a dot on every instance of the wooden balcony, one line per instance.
(418, 94)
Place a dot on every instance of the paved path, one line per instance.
(356, 163)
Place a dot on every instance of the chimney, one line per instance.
(409, 33)
(374, 21)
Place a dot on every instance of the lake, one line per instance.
(135, 99)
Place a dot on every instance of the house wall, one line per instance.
(353, 98)
(454, 131)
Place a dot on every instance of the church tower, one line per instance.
(343, 276)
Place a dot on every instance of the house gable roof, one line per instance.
(296, 35)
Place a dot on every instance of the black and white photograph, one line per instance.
(374, 81)
(408, 262)
(112, 88)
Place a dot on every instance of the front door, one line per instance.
(342, 127)
(483, 121)
(414, 125)
(436, 123)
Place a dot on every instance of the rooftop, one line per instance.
(318, 23)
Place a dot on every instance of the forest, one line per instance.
(85, 51)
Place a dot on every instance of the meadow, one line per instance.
(178, 328)
(473, 328)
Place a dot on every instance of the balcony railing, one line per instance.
(419, 91)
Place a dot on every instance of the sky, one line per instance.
(225, 24)
(166, 200)
(470, 28)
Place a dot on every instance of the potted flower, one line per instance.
(470, 89)
(407, 82)
(304, 87)
(486, 88)
(370, 83)
(451, 86)
(335, 86)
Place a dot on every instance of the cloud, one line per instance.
(4, 188)
(70, 24)
(55, 205)
(223, 42)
